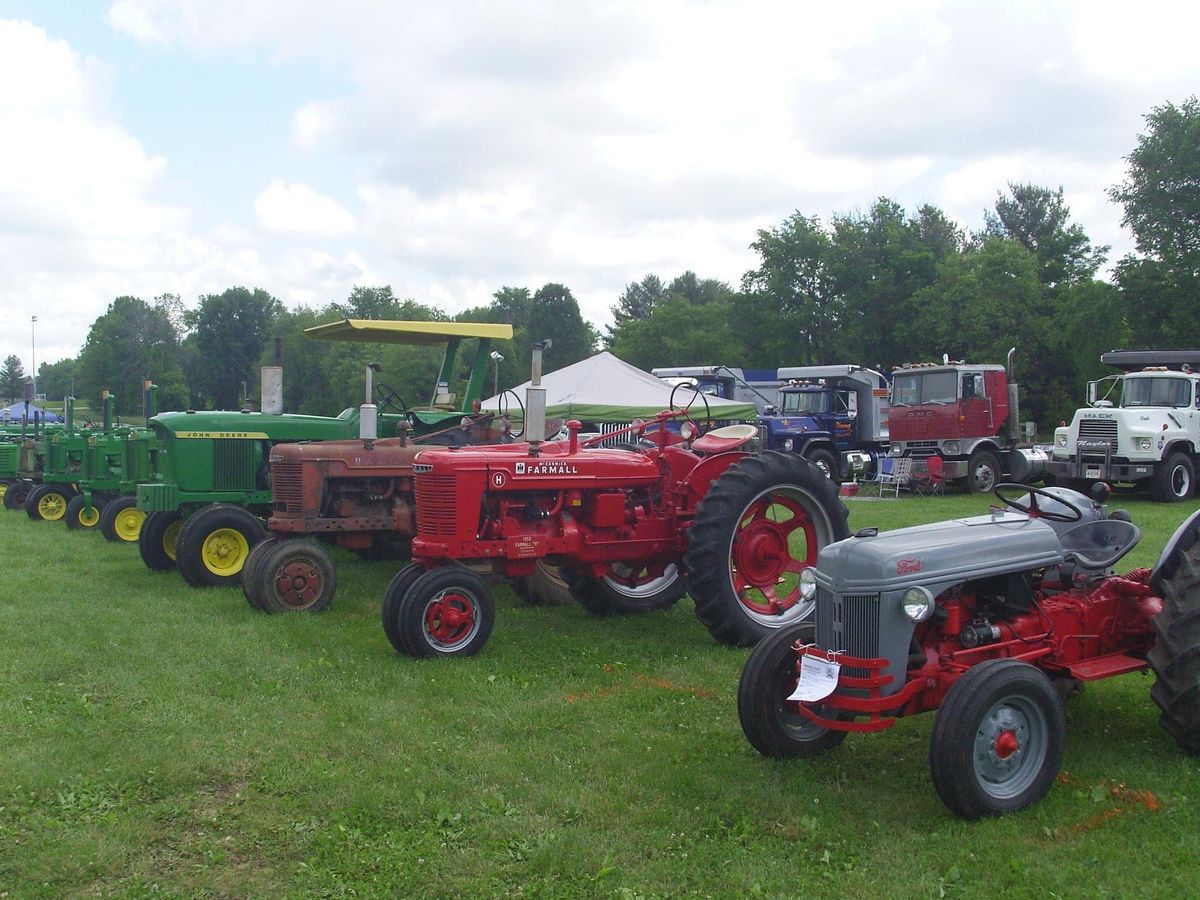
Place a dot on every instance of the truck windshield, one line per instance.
(806, 402)
(924, 387)
(1156, 391)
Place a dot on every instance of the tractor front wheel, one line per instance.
(295, 576)
(1175, 658)
(250, 582)
(121, 521)
(389, 611)
(998, 739)
(48, 502)
(14, 497)
(760, 525)
(4, 486)
(629, 588)
(81, 515)
(447, 611)
(158, 539)
(214, 543)
(547, 586)
(773, 724)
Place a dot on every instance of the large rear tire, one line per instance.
(158, 539)
(121, 521)
(762, 523)
(214, 543)
(81, 516)
(1175, 658)
(773, 724)
(1173, 479)
(628, 589)
(998, 739)
(547, 586)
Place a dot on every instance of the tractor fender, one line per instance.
(1183, 538)
(708, 470)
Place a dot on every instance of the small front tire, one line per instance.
(447, 611)
(214, 543)
(81, 515)
(121, 521)
(296, 576)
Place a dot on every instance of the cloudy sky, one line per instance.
(451, 148)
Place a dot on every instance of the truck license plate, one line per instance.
(1091, 472)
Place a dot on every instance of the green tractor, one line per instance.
(22, 458)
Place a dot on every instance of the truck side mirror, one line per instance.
(769, 409)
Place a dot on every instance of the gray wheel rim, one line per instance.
(985, 478)
(646, 588)
(1180, 482)
(1005, 776)
(823, 465)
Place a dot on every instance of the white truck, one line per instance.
(1141, 425)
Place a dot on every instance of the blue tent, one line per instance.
(13, 413)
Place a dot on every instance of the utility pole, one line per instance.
(33, 353)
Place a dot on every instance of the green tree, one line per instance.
(12, 376)
(57, 379)
(228, 332)
(680, 333)
(1040, 220)
(130, 342)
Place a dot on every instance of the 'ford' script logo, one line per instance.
(908, 566)
(546, 468)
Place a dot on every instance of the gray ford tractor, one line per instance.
(992, 621)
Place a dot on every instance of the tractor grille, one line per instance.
(849, 623)
(285, 487)
(437, 503)
(1099, 430)
(234, 464)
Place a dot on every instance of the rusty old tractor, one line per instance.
(992, 621)
(629, 530)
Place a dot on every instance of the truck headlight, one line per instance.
(787, 444)
(950, 448)
(918, 603)
(808, 583)
(1143, 443)
(1060, 440)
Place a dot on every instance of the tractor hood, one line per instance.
(938, 556)
(512, 468)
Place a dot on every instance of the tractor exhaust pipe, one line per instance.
(149, 399)
(368, 413)
(535, 400)
(107, 398)
(272, 384)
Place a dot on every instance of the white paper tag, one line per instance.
(818, 679)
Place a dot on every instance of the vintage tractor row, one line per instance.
(992, 621)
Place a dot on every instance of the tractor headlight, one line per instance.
(1143, 443)
(808, 583)
(787, 444)
(687, 431)
(918, 603)
(1060, 440)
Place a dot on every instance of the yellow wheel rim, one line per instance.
(224, 551)
(128, 524)
(52, 507)
(3, 491)
(89, 517)
(169, 537)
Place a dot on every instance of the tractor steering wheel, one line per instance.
(502, 407)
(388, 396)
(1032, 509)
(696, 392)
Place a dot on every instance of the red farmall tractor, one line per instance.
(625, 527)
(992, 621)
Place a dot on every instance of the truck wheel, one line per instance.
(772, 724)
(1175, 657)
(80, 515)
(48, 502)
(998, 739)
(121, 521)
(389, 610)
(158, 539)
(250, 584)
(296, 576)
(214, 542)
(14, 497)
(547, 586)
(1173, 479)
(825, 461)
(983, 471)
(447, 611)
(761, 524)
(629, 588)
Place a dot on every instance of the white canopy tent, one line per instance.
(603, 388)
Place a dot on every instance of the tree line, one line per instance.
(879, 287)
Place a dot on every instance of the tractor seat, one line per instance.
(1099, 544)
(720, 440)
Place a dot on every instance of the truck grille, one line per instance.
(850, 623)
(234, 464)
(1099, 430)
(922, 449)
(285, 487)
(437, 503)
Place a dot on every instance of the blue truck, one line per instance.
(757, 386)
(834, 416)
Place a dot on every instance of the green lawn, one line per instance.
(156, 739)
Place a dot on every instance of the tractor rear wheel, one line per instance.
(158, 539)
(389, 611)
(773, 724)
(296, 576)
(547, 586)
(14, 497)
(121, 521)
(998, 739)
(214, 542)
(48, 502)
(447, 611)
(629, 588)
(761, 524)
(250, 583)
(1173, 479)
(1175, 658)
(81, 515)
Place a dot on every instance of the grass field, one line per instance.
(156, 739)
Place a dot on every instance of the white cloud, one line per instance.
(296, 209)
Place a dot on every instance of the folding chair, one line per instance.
(899, 477)
(869, 487)
(931, 481)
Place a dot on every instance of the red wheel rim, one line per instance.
(299, 583)
(774, 541)
(451, 618)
